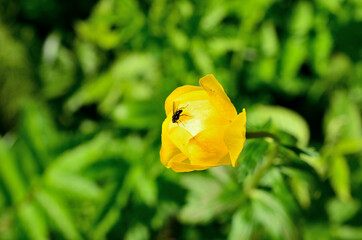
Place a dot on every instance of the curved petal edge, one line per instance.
(218, 97)
(235, 137)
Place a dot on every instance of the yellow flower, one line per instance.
(202, 128)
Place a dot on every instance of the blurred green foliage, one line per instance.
(82, 88)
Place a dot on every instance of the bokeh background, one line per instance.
(82, 90)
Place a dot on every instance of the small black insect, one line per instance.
(176, 114)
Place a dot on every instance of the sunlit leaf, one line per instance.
(269, 39)
(203, 190)
(302, 18)
(343, 120)
(283, 119)
(138, 232)
(208, 198)
(340, 177)
(340, 211)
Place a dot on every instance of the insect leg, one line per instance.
(183, 107)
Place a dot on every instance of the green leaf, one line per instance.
(276, 181)
(332, 6)
(16, 73)
(115, 197)
(283, 119)
(136, 67)
(145, 187)
(343, 119)
(178, 39)
(300, 183)
(138, 115)
(39, 132)
(339, 67)
(251, 156)
(339, 174)
(340, 211)
(242, 225)
(302, 150)
(294, 54)
(269, 39)
(201, 57)
(10, 174)
(200, 192)
(57, 68)
(212, 17)
(302, 18)
(90, 92)
(57, 212)
(103, 227)
(271, 214)
(347, 232)
(72, 185)
(83, 155)
(303, 158)
(108, 28)
(316, 231)
(322, 46)
(29, 165)
(348, 146)
(209, 197)
(306, 159)
(267, 69)
(164, 211)
(138, 232)
(33, 221)
(89, 58)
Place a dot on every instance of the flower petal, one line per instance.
(168, 148)
(199, 115)
(177, 159)
(177, 93)
(186, 167)
(180, 138)
(182, 164)
(235, 137)
(208, 147)
(225, 160)
(218, 97)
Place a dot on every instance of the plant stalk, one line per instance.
(262, 169)
(262, 134)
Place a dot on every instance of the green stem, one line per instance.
(253, 182)
(262, 134)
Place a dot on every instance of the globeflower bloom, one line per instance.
(202, 128)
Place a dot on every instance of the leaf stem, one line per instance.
(262, 134)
